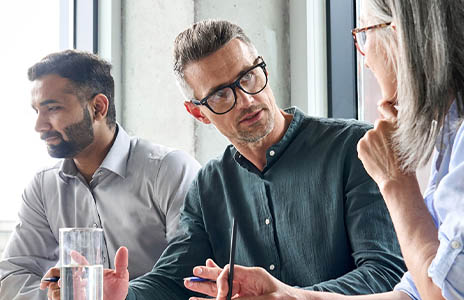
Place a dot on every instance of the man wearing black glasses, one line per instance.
(306, 210)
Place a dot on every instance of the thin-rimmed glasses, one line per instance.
(359, 35)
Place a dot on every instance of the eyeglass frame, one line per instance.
(232, 86)
(363, 29)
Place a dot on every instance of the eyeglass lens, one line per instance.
(361, 40)
(251, 82)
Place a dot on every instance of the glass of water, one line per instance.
(81, 260)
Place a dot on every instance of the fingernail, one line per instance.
(198, 270)
(188, 283)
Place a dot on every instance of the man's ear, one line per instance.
(195, 111)
(99, 105)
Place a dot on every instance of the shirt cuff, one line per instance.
(407, 286)
(446, 268)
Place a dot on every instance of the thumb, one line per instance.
(210, 263)
(78, 258)
(121, 261)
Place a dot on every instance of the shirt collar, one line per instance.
(448, 131)
(115, 161)
(276, 150)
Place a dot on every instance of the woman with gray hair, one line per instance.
(415, 48)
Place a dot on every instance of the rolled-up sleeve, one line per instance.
(408, 287)
(446, 270)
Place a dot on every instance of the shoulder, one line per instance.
(146, 153)
(215, 168)
(333, 131)
(49, 172)
(338, 125)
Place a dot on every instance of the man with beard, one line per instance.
(294, 185)
(130, 188)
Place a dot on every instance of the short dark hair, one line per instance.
(88, 73)
(200, 40)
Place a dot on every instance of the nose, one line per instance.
(41, 123)
(244, 100)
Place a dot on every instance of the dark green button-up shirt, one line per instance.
(313, 217)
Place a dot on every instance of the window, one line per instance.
(28, 34)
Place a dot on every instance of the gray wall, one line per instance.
(151, 102)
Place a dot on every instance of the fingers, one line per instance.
(78, 258)
(207, 288)
(53, 291)
(53, 272)
(387, 110)
(121, 261)
(243, 276)
(223, 283)
(210, 263)
(209, 272)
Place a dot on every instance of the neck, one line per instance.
(90, 159)
(256, 152)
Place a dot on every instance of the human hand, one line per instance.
(210, 271)
(116, 282)
(376, 152)
(53, 287)
(377, 155)
(79, 281)
(257, 284)
(388, 110)
(248, 283)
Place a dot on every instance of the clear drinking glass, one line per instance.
(81, 260)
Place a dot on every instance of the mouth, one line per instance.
(51, 138)
(251, 118)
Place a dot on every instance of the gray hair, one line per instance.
(430, 69)
(201, 40)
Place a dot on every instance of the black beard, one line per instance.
(80, 135)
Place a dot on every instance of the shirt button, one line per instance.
(455, 245)
(271, 267)
(267, 221)
(95, 225)
(272, 153)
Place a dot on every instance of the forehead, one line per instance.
(221, 67)
(50, 87)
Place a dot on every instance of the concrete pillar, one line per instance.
(152, 104)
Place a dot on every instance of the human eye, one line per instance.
(53, 108)
(247, 76)
(220, 94)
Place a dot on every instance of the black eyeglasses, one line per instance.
(223, 99)
(359, 35)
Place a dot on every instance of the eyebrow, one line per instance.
(220, 86)
(46, 102)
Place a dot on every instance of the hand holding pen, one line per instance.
(204, 279)
(50, 282)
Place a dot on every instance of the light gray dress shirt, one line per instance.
(135, 196)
